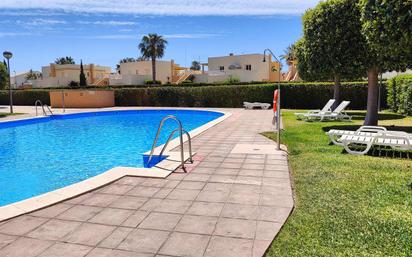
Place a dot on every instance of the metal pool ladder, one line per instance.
(181, 132)
(39, 103)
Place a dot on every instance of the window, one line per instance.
(221, 68)
(248, 67)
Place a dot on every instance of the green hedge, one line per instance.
(400, 94)
(25, 97)
(294, 95)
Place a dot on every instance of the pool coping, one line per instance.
(160, 170)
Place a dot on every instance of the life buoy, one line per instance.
(275, 100)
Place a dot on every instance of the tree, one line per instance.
(4, 76)
(64, 60)
(333, 44)
(31, 75)
(388, 31)
(127, 59)
(290, 54)
(152, 46)
(195, 65)
(83, 81)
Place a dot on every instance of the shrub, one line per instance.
(151, 82)
(25, 97)
(74, 84)
(232, 80)
(293, 96)
(400, 94)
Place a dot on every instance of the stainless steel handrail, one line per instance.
(180, 129)
(189, 142)
(37, 103)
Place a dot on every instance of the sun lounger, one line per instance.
(337, 114)
(250, 106)
(336, 134)
(326, 108)
(360, 145)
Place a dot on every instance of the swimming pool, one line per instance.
(43, 154)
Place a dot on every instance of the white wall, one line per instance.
(163, 70)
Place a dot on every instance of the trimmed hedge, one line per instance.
(293, 95)
(400, 94)
(25, 97)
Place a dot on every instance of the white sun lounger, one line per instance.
(336, 134)
(337, 114)
(360, 145)
(326, 108)
(250, 106)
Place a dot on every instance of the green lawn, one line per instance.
(345, 205)
(5, 114)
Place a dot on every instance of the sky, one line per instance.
(105, 31)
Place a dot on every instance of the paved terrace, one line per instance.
(228, 205)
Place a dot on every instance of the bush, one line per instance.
(293, 96)
(151, 82)
(232, 80)
(25, 97)
(74, 84)
(400, 94)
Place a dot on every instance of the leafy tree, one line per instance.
(31, 75)
(333, 46)
(64, 60)
(195, 65)
(152, 46)
(127, 59)
(83, 81)
(4, 76)
(387, 26)
(290, 54)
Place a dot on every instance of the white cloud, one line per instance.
(109, 23)
(167, 7)
(11, 34)
(40, 22)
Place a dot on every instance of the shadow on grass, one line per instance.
(382, 116)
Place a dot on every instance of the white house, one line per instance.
(19, 79)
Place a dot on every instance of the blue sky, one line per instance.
(104, 31)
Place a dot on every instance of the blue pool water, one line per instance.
(41, 155)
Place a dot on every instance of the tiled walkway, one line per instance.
(229, 205)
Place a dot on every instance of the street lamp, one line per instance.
(278, 102)
(8, 56)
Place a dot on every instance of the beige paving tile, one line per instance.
(52, 211)
(133, 181)
(260, 247)
(160, 221)
(267, 230)
(80, 213)
(229, 247)
(116, 189)
(100, 200)
(114, 239)
(135, 219)
(66, 250)
(182, 244)
(173, 206)
(194, 185)
(196, 177)
(197, 224)
(128, 202)
(143, 191)
(235, 228)
(183, 194)
(213, 196)
(274, 214)
(54, 229)
(240, 211)
(21, 225)
(206, 209)
(163, 193)
(244, 198)
(103, 252)
(6, 239)
(144, 241)
(89, 234)
(111, 216)
(25, 247)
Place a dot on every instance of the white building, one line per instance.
(19, 79)
(245, 68)
(136, 73)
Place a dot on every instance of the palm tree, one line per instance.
(64, 60)
(152, 46)
(290, 54)
(195, 65)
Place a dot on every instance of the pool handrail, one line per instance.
(39, 102)
(180, 129)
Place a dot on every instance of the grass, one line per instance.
(5, 114)
(345, 205)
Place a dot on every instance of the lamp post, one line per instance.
(8, 56)
(278, 102)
